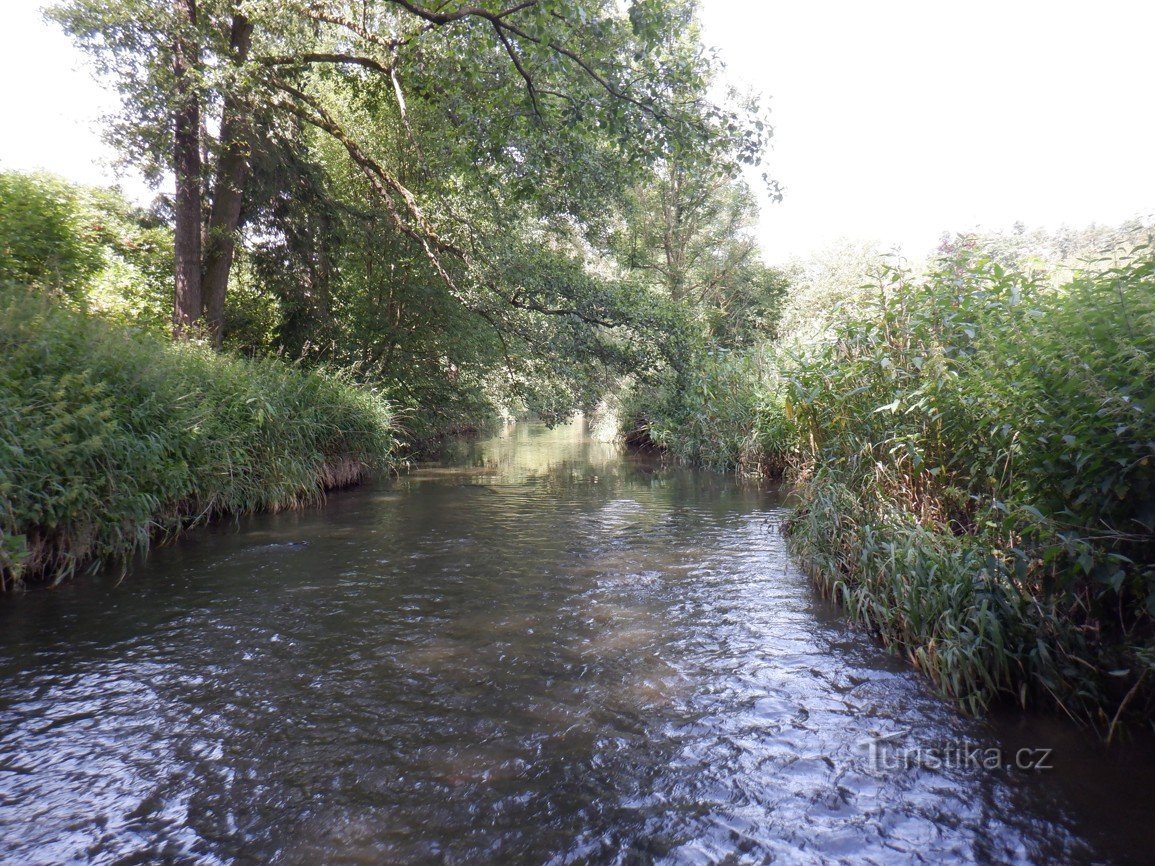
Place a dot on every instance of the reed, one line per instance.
(976, 480)
(111, 438)
(972, 451)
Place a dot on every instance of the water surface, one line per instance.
(540, 651)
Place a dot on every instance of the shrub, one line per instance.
(44, 239)
(702, 413)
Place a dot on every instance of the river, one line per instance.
(539, 650)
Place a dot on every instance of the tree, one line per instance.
(689, 227)
(542, 105)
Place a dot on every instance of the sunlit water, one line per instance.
(539, 652)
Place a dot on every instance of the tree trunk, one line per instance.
(232, 173)
(188, 302)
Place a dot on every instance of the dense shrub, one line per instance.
(703, 413)
(108, 437)
(974, 458)
(978, 479)
(45, 238)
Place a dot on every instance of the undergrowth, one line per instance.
(977, 481)
(110, 438)
(973, 457)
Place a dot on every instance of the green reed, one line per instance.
(111, 438)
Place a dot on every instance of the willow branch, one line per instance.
(383, 183)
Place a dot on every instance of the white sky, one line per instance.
(50, 104)
(895, 119)
(898, 119)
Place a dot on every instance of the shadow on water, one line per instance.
(537, 650)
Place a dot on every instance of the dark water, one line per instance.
(542, 653)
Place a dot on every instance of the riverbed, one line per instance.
(538, 650)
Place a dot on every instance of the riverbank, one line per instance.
(112, 438)
(973, 452)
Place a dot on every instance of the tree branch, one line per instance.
(533, 307)
(498, 20)
(302, 59)
(318, 13)
(521, 70)
(382, 181)
(442, 18)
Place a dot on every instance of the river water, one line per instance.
(538, 651)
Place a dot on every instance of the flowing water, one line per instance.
(540, 651)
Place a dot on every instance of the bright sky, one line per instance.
(895, 119)
(50, 103)
(898, 119)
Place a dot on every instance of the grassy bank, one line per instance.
(974, 455)
(110, 438)
(977, 476)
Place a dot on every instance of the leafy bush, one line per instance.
(722, 409)
(45, 240)
(108, 437)
(703, 413)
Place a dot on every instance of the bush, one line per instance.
(109, 437)
(703, 413)
(45, 240)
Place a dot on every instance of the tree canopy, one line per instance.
(438, 190)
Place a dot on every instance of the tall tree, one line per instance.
(688, 229)
(544, 101)
(186, 161)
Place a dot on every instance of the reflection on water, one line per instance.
(540, 651)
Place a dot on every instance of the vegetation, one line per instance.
(110, 438)
(973, 452)
(433, 200)
(978, 473)
(432, 194)
(541, 207)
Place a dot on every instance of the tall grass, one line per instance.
(109, 438)
(973, 454)
(977, 480)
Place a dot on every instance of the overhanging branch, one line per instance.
(304, 59)
(384, 184)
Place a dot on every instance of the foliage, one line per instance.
(47, 238)
(1054, 255)
(86, 244)
(974, 457)
(688, 231)
(109, 438)
(464, 161)
(717, 411)
(979, 472)
(429, 194)
(835, 281)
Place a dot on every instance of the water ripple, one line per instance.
(540, 653)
